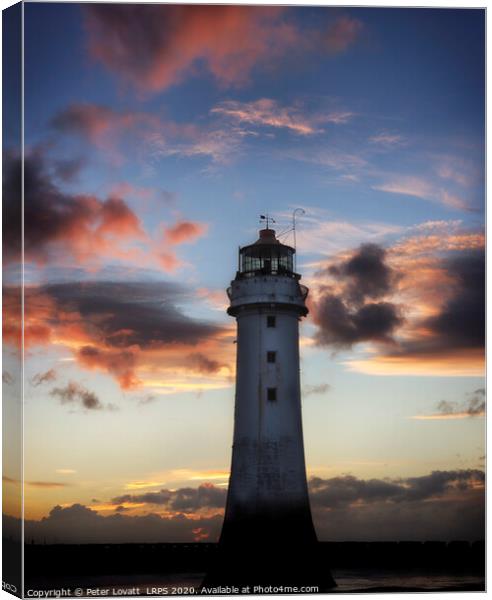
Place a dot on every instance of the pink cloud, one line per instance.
(184, 232)
(420, 187)
(341, 34)
(154, 47)
(267, 112)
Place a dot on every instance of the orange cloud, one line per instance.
(438, 289)
(58, 226)
(61, 228)
(446, 363)
(132, 331)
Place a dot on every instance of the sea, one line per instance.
(188, 584)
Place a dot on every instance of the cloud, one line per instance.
(82, 525)
(387, 139)
(421, 187)
(67, 170)
(442, 505)
(342, 327)
(433, 283)
(159, 46)
(321, 388)
(184, 232)
(203, 364)
(57, 224)
(144, 137)
(268, 113)
(367, 274)
(347, 317)
(341, 34)
(134, 331)
(45, 377)
(459, 324)
(47, 484)
(474, 406)
(187, 500)
(63, 228)
(462, 318)
(36, 484)
(108, 129)
(346, 490)
(73, 393)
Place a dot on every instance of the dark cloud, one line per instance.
(79, 224)
(443, 505)
(461, 321)
(473, 406)
(73, 393)
(147, 399)
(114, 326)
(345, 490)
(67, 170)
(366, 273)
(342, 326)
(158, 498)
(122, 315)
(185, 500)
(85, 120)
(82, 525)
(321, 388)
(203, 364)
(45, 377)
(11, 206)
(460, 324)
(348, 316)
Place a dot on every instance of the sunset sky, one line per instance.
(155, 137)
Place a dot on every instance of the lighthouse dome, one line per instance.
(267, 256)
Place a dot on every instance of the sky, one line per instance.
(155, 137)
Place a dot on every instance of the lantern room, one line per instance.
(267, 256)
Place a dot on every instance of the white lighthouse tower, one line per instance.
(268, 535)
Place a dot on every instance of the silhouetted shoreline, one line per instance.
(196, 557)
(357, 566)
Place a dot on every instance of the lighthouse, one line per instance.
(268, 537)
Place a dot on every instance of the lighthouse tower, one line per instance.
(268, 535)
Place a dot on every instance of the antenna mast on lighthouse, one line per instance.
(299, 211)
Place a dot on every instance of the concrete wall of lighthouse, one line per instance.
(268, 478)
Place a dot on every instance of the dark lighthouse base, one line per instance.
(270, 553)
(262, 568)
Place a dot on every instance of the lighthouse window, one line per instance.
(271, 321)
(272, 394)
(271, 357)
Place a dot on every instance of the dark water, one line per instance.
(348, 581)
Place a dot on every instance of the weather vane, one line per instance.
(268, 219)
